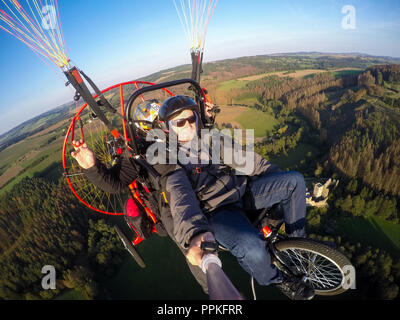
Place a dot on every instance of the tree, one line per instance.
(387, 291)
(347, 204)
(366, 79)
(81, 279)
(319, 170)
(352, 186)
(358, 205)
(387, 209)
(379, 78)
(313, 219)
(356, 96)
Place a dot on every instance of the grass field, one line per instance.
(31, 156)
(10, 174)
(372, 231)
(260, 121)
(246, 100)
(231, 84)
(292, 74)
(34, 167)
(346, 73)
(12, 153)
(338, 73)
(228, 114)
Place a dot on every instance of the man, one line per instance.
(118, 178)
(208, 200)
(209, 203)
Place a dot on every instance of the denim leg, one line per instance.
(287, 188)
(234, 231)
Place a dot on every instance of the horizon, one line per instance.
(259, 28)
(148, 75)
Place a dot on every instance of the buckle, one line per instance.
(197, 170)
(209, 246)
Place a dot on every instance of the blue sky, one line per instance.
(121, 40)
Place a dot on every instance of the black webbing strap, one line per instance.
(197, 62)
(103, 100)
(75, 79)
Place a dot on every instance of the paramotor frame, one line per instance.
(98, 137)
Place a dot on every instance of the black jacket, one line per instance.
(118, 178)
(192, 190)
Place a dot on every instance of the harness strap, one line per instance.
(135, 193)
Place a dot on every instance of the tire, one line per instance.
(131, 249)
(330, 271)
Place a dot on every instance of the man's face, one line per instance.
(184, 125)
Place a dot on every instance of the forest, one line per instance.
(362, 152)
(42, 223)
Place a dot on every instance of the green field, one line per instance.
(260, 121)
(12, 153)
(372, 231)
(346, 73)
(231, 84)
(34, 167)
(247, 101)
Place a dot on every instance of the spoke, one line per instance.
(319, 271)
(311, 263)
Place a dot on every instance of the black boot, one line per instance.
(295, 289)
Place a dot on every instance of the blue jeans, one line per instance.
(234, 231)
(286, 188)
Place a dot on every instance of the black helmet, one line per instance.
(175, 105)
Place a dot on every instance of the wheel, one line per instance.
(327, 270)
(131, 249)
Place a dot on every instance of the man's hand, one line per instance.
(208, 107)
(195, 254)
(85, 157)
